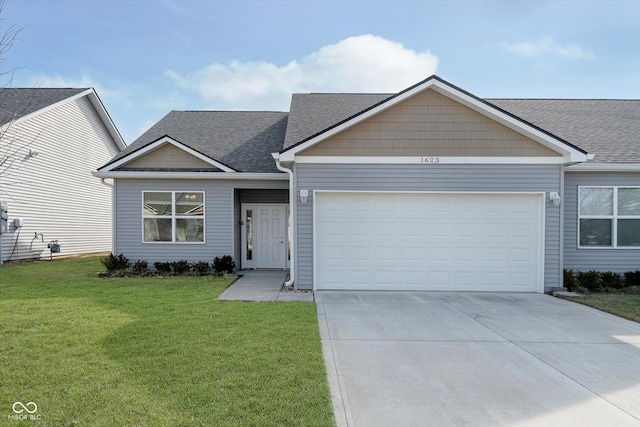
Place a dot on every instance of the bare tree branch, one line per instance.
(12, 146)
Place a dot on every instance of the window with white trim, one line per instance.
(173, 216)
(609, 217)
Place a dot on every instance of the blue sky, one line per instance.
(147, 57)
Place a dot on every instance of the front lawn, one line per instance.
(155, 351)
(623, 305)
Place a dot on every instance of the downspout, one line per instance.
(113, 212)
(562, 236)
(294, 210)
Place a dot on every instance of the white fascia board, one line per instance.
(157, 144)
(429, 161)
(604, 167)
(190, 175)
(106, 118)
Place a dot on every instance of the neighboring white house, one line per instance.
(51, 141)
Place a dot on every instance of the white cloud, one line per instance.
(364, 63)
(548, 46)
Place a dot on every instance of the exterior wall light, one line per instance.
(304, 196)
(555, 198)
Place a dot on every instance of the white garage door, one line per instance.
(428, 241)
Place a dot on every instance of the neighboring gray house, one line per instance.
(51, 141)
(431, 188)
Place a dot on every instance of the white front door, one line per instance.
(265, 236)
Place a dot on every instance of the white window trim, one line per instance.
(614, 218)
(174, 217)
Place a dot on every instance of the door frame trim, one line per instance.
(252, 264)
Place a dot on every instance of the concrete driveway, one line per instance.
(477, 359)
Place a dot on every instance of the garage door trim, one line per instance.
(540, 270)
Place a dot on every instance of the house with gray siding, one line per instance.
(51, 140)
(431, 188)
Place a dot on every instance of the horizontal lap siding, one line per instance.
(618, 260)
(54, 192)
(221, 218)
(489, 178)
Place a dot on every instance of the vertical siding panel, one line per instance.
(489, 178)
(54, 192)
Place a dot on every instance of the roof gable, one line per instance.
(567, 150)
(425, 125)
(158, 153)
(168, 156)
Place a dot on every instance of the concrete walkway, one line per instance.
(477, 359)
(262, 285)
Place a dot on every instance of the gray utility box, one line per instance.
(54, 246)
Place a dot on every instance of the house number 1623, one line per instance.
(430, 160)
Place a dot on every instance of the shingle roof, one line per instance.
(242, 140)
(18, 102)
(608, 128)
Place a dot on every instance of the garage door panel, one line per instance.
(436, 255)
(412, 229)
(492, 255)
(412, 254)
(466, 230)
(468, 254)
(439, 228)
(493, 231)
(428, 241)
(385, 228)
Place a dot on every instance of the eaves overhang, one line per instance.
(603, 167)
(190, 175)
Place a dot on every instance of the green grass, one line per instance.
(623, 305)
(154, 352)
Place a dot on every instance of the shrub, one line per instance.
(114, 263)
(202, 268)
(632, 278)
(141, 266)
(180, 267)
(590, 280)
(223, 264)
(611, 280)
(569, 280)
(163, 267)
